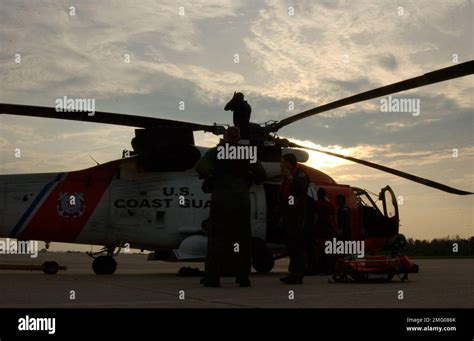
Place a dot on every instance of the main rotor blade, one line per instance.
(100, 117)
(411, 177)
(459, 70)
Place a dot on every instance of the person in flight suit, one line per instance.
(292, 202)
(343, 218)
(229, 231)
(325, 227)
(242, 111)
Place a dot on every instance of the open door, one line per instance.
(378, 219)
(390, 209)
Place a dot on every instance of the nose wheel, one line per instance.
(104, 264)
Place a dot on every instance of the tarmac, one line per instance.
(138, 283)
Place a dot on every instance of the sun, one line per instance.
(322, 161)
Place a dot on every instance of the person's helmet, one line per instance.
(232, 134)
(238, 96)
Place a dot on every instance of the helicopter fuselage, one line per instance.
(120, 202)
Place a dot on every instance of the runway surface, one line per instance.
(441, 283)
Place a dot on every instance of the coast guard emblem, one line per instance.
(70, 205)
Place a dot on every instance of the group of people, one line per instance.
(229, 229)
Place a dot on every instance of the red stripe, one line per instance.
(49, 225)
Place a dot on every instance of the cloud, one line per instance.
(353, 86)
(388, 61)
(299, 52)
(324, 52)
(85, 53)
(397, 126)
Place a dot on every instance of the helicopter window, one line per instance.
(364, 201)
(389, 206)
(372, 218)
(389, 203)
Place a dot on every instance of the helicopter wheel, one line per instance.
(104, 265)
(50, 268)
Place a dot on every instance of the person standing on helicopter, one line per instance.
(242, 111)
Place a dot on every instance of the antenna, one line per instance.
(94, 160)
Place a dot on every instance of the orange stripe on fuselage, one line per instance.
(49, 225)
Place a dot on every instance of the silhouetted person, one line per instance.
(343, 218)
(325, 228)
(229, 181)
(242, 111)
(292, 205)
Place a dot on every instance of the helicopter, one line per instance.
(151, 198)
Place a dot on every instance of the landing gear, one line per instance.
(104, 264)
(262, 257)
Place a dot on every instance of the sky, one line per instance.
(144, 57)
